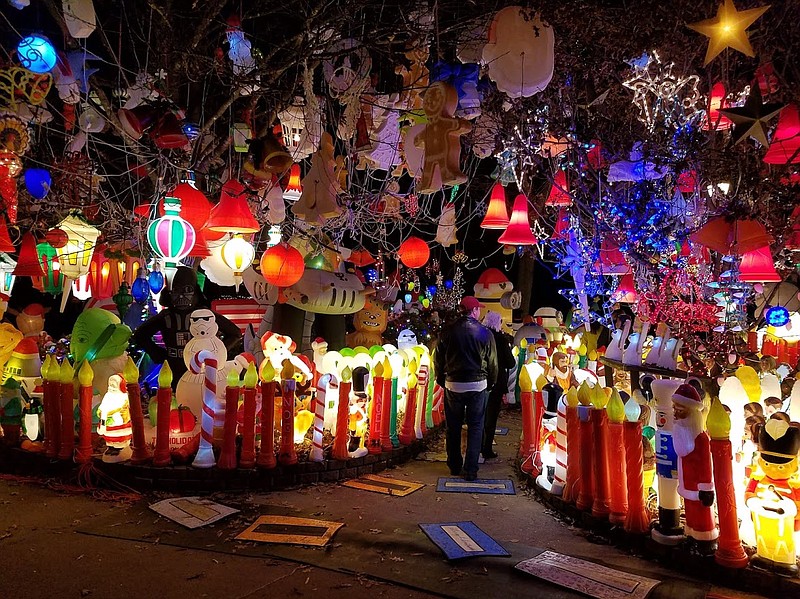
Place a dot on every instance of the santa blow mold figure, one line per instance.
(115, 421)
(696, 486)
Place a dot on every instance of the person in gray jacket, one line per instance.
(465, 361)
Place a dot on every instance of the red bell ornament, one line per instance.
(28, 264)
(497, 213)
(519, 228)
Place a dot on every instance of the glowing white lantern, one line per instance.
(75, 257)
(238, 254)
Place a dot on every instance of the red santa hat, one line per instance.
(688, 397)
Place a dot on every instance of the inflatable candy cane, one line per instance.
(560, 477)
(422, 396)
(316, 454)
(205, 453)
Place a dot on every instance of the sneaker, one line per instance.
(470, 476)
(489, 455)
(455, 472)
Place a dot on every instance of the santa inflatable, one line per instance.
(695, 480)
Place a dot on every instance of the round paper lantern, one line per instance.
(171, 236)
(38, 182)
(238, 254)
(37, 54)
(57, 238)
(414, 252)
(282, 265)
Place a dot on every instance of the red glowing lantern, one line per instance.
(785, 147)
(519, 229)
(732, 238)
(758, 267)
(497, 212)
(195, 206)
(562, 225)
(687, 182)
(232, 214)
(282, 265)
(414, 252)
(559, 195)
(105, 274)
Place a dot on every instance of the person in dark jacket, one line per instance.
(465, 362)
(505, 362)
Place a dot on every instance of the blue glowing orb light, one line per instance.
(37, 54)
(38, 182)
(140, 290)
(777, 316)
(155, 280)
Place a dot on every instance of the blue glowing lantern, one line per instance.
(407, 298)
(448, 284)
(777, 316)
(38, 182)
(37, 54)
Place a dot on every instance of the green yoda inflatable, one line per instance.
(99, 337)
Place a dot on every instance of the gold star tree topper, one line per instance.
(728, 29)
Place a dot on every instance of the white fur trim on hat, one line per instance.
(688, 397)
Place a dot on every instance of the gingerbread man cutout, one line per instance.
(441, 138)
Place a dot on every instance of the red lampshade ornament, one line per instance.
(732, 237)
(625, 293)
(793, 242)
(28, 264)
(519, 228)
(558, 195)
(497, 212)
(135, 121)
(168, 133)
(414, 252)
(562, 226)
(361, 257)
(282, 265)
(611, 260)
(716, 100)
(758, 267)
(5, 238)
(785, 146)
(232, 214)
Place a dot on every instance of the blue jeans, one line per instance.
(457, 407)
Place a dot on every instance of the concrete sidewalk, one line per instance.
(47, 557)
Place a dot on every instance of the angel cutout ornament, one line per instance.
(318, 201)
(659, 344)
(632, 356)
(441, 138)
(446, 231)
(618, 338)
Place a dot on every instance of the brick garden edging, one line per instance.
(703, 568)
(188, 480)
